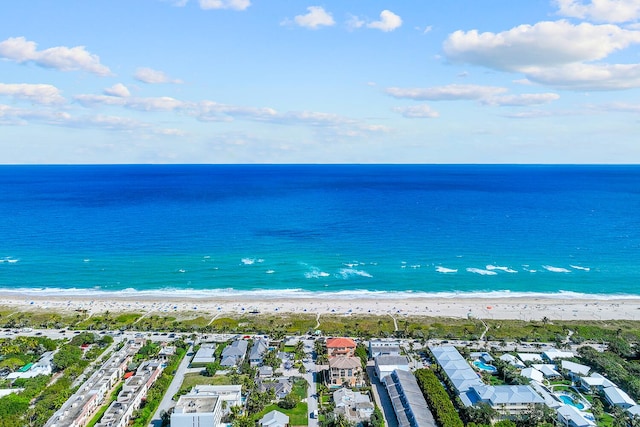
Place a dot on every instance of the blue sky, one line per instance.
(339, 81)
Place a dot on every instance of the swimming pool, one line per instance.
(484, 367)
(565, 398)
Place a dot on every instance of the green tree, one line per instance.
(68, 355)
(289, 402)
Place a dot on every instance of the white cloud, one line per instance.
(600, 10)
(151, 76)
(417, 112)
(225, 4)
(545, 44)
(588, 76)
(117, 89)
(35, 93)
(622, 107)
(163, 103)
(316, 18)
(521, 100)
(389, 21)
(353, 23)
(446, 93)
(60, 58)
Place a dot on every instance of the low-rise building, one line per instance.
(576, 370)
(234, 354)
(204, 355)
(387, 347)
(570, 416)
(506, 399)
(258, 349)
(384, 365)
(134, 391)
(554, 353)
(274, 419)
(407, 400)
(618, 397)
(595, 383)
(355, 406)
(512, 360)
(205, 405)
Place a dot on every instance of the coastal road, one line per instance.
(167, 402)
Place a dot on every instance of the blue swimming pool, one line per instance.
(569, 401)
(484, 367)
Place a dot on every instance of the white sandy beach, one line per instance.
(522, 308)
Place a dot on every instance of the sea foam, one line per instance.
(555, 269)
(446, 270)
(481, 271)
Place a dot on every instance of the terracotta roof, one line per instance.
(340, 343)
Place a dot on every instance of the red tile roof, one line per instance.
(341, 343)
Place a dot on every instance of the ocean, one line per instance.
(308, 230)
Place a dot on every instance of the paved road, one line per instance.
(382, 398)
(167, 401)
(312, 396)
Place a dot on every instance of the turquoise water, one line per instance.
(484, 367)
(569, 401)
(306, 230)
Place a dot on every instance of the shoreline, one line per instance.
(526, 308)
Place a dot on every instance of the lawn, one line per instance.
(194, 379)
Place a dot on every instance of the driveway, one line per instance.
(382, 398)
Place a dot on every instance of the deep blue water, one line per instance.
(416, 228)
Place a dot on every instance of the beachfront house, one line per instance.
(282, 387)
(345, 370)
(549, 371)
(337, 347)
(234, 354)
(386, 347)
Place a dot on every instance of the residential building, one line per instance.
(345, 347)
(408, 401)
(548, 370)
(197, 411)
(282, 387)
(81, 406)
(384, 365)
(530, 357)
(533, 374)
(274, 419)
(576, 370)
(258, 349)
(618, 397)
(554, 353)
(386, 347)
(204, 355)
(345, 370)
(134, 391)
(355, 406)
(506, 399)
(205, 405)
(512, 360)
(595, 383)
(234, 354)
(265, 372)
(570, 416)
